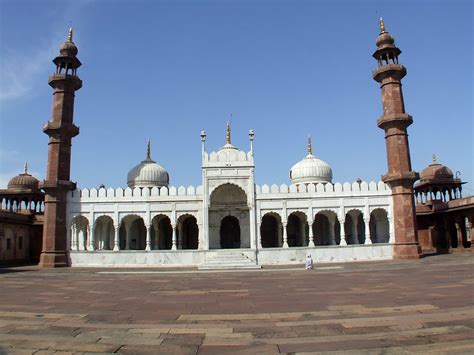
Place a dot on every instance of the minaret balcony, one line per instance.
(60, 129)
(394, 120)
(63, 80)
(389, 71)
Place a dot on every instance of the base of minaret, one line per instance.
(49, 260)
(403, 251)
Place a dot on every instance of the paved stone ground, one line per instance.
(423, 306)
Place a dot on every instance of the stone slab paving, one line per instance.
(420, 307)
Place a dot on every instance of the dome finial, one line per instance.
(434, 158)
(227, 136)
(382, 25)
(69, 35)
(148, 150)
(26, 168)
(310, 147)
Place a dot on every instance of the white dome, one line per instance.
(310, 170)
(147, 174)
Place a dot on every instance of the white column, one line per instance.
(259, 236)
(128, 229)
(343, 233)
(117, 238)
(199, 237)
(148, 237)
(253, 225)
(74, 239)
(91, 238)
(173, 239)
(367, 231)
(285, 236)
(310, 234)
(82, 240)
(390, 230)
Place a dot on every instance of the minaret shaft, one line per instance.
(60, 129)
(394, 122)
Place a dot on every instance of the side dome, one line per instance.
(148, 174)
(23, 182)
(436, 172)
(310, 170)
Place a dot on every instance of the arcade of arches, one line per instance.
(274, 233)
(325, 230)
(133, 234)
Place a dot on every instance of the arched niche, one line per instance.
(188, 232)
(271, 230)
(104, 233)
(354, 227)
(297, 229)
(162, 233)
(379, 226)
(326, 228)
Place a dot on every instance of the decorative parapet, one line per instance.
(139, 194)
(233, 156)
(330, 190)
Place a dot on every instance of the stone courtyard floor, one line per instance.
(392, 307)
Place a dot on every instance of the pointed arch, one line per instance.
(271, 230)
(188, 232)
(161, 232)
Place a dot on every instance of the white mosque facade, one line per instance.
(229, 220)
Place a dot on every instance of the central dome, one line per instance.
(148, 174)
(310, 170)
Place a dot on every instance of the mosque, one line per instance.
(229, 221)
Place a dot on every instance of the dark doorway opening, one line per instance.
(230, 233)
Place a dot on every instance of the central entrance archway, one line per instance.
(230, 233)
(229, 218)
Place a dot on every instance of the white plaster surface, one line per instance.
(270, 256)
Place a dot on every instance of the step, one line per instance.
(228, 261)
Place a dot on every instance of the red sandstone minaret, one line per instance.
(395, 121)
(60, 129)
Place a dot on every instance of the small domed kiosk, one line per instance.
(437, 182)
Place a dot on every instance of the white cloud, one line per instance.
(20, 71)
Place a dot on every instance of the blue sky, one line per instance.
(165, 70)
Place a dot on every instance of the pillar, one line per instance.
(259, 236)
(310, 234)
(173, 238)
(74, 237)
(285, 236)
(148, 237)
(343, 232)
(91, 238)
(367, 231)
(117, 238)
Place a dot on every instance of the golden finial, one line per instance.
(382, 26)
(69, 35)
(25, 168)
(227, 136)
(434, 158)
(310, 147)
(148, 150)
